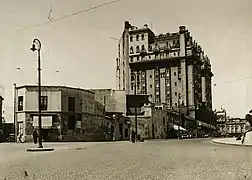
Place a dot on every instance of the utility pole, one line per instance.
(15, 113)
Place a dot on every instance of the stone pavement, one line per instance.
(160, 160)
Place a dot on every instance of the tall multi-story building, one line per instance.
(171, 68)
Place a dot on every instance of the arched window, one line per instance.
(131, 50)
(143, 48)
(142, 36)
(131, 38)
(137, 49)
(137, 37)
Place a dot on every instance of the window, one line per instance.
(137, 37)
(150, 48)
(175, 73)
(176, 104)
(20, 103)
(44, 102)
(142, 36)
(131, 50)
(175, 84)
(149, 57)
(138, 86)
(71, 122)
(175, 93)
(137, 49)
(71, 104)
(151, 95)
(132, 86)
(131, 38)
(151, 86)
(138, 58)
(131, 59)
(150, 76)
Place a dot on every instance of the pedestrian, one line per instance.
(133, 136)
(35, 136)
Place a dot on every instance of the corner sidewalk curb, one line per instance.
(231, 144)
(39, 149)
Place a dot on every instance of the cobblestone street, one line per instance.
(157, 159)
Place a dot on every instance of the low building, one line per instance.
(68, 114)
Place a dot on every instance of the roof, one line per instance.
(49, 86)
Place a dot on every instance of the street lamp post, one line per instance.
(135, 107)
(33, 48)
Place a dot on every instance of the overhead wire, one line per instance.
(70, 15)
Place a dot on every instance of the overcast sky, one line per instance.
(81, 49)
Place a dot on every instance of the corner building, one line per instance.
(171, 68)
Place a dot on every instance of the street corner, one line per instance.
(230, 141)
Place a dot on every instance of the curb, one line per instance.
(39, 149)
(231, 144)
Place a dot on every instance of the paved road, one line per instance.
(158, 159)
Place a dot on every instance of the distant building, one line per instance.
(235, 126)
(221, 122)
(68, 114)
(170, 68)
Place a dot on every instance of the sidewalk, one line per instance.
(231, 141)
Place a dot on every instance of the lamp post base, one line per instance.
(39, 149)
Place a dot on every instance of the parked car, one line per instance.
(206, 135)
(185, 136)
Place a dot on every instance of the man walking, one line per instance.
(133, 136)
(35, 136)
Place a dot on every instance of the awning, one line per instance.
(176, 127)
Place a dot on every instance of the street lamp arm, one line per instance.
(36, 42)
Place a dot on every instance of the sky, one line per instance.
(80, 47)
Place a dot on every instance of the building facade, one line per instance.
(235, 126)
(221, 122)
(118, 124)
(171, 68)
(68, 114)
(152, 122)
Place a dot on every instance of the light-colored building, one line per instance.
(68, 114)
(171, 68)
(235, 126)
(114, 100)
